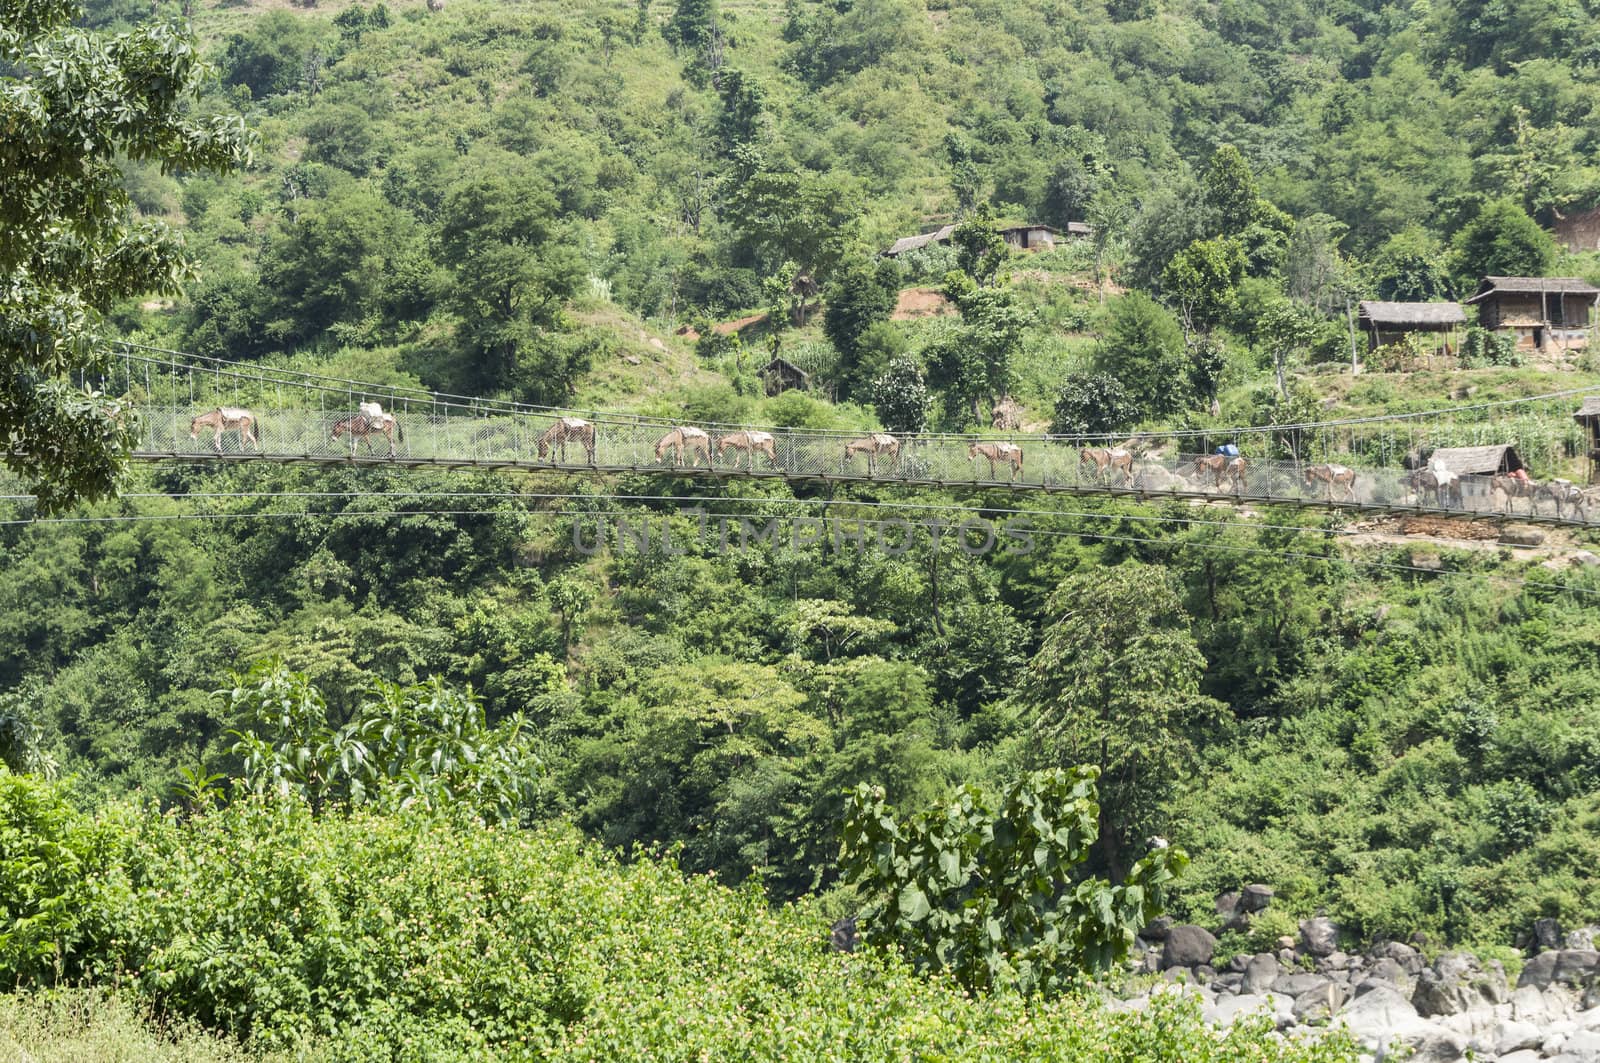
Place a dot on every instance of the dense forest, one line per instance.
(633, 207)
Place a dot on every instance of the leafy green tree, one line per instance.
(808, 219)
(742, 109)
(987, 888)
(1230, 189)
(861, 295)
(272, 56)
(1141, 347)
(693, 24)
(1502, 241)
(1284, 327)
(1116, 684)
(900, 396)
(515, 268)
(71, 104)
(426, 745)
(1411, 267)
(1092, 404)
(1203, 279)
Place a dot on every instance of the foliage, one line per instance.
(1503, 241)
(72, 103)
(1480, 347)
(1092, 404)
(900, 396)
(861, 296)
(984, 887)
(426, 745)
(1141, 347)
(1202, 279)
(398, 936)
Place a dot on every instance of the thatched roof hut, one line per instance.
(780, 375)
(1386, 323)
(1478, 461)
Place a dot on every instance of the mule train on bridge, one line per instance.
(1453, 461)
(529, 441)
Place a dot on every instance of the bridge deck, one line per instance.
(497, 439)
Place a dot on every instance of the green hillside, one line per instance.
(634, 207)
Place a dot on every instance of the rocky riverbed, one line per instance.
(1396, 1002)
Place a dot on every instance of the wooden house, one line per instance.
(1588, 415)
(1539, 313)
(780, 375)
(1386, 323)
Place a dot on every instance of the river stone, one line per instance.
(1255, 898)
(1227, 1010)
(1521, 1055)
(1522, 537)
(1409, 959)
(1584, 1043)
(1260, 973)
(1320, 1003)
(1575, 966)
(1158, 929)
(1439, 1048)
(1547, 934)
(1188, 946)
(1292, 985)
(1319, 936)
(1387, 970)
(1582, 938)
(1382, 1017)
(1512, 1036)
(1538, 972)
(1444, 988)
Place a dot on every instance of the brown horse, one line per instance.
(227, 419)
(1565, 493)
(361, 426)
(873, 445)
(1107, 458)
(1515, 487)
(567, 429)
(685, 437)
(1331, 476)
(1221, 467)
(750, 443)
(1009, 453)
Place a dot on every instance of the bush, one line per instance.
(405, 936)
(1092, 404)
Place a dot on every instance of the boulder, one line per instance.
(1188, 946)
(1260, 973)
(1408, 958)
(1255, 898)
(1439, 1048)
(1387, 971)
(1582, 938)
(1582, 1043)
(1512, 1036)
(1320, 1003)
(1293, 985)
(1585, 557)
(1522, 1055)
(1334, 961)
(1453, 984)
(1546, 934)
(1522, 537)
(1382, 1018)
(1572, 967)
(1158, 928)
(1228, 1009)
(1226, 905)
(1319, 936)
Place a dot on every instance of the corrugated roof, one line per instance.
(1412, 313)
(911, 243)
(1590, 408)
(1501, 457)
(1534, 285)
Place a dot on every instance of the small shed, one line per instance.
(780, 375)
(1538, 312)
(911, 243)
(1588, 416)
(1494, 460)
(1386, 323)
(1031, 237)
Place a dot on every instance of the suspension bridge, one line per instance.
(296, 412)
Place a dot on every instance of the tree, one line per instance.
(861, 295)
(1203, 279)
(1284, 327)
(987, 887)
(71, 104)
(807, 219)
(1141, 346)
(900, 397)
(1411, 267)
(1092, 404)
(1503, 241)
(1230, 189)
(1116, 684)
(514, 271)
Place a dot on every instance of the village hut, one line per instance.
(911, 243)
(1386, 323)
(780, 375)
(1538, 312)
(1588, 416)
(1477, 465)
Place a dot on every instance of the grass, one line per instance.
(94, 1025)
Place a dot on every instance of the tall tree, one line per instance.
(1116, 684)
(1503, 241)
(71, 104)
